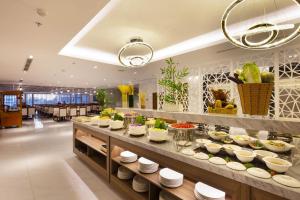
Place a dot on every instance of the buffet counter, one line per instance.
(237, 184)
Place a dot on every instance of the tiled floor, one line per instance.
(37, 163)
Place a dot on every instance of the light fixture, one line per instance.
(95, 67)
(271, 41)
(136, 53)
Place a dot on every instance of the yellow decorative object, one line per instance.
(124, 89)
(131, 90)
(218, 104)
(142, 96)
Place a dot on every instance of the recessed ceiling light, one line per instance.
(135, 72)
(68, 91)
(30, 57)
(71, 76)
(95, 67)
(104, 79)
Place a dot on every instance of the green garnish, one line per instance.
(210, 155)
(248, 165)
(227, 159)
(140, 120)
(118, 117)
(160, 124)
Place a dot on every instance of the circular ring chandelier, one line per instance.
(136, 53)
(266, 27)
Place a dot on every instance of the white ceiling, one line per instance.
(101, 28)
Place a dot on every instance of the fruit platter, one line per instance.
(183, 126)
(222, 104)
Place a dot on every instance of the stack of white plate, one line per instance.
(128, 157)
(163, 195)
(206, 192)
(170, 178)
(140, 184)
(124, 173)
(147, 166)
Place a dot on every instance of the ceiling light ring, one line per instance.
(273, 35)
(135, 42)
(271, 45)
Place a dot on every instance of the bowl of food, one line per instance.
(277, 145)
(104, 121)
(262, 153)
(157, 134)
(241, 139)
(230, 148)
(213, 147)
(245, 155)
(217, 135)
(256, 144)
(201, 142)
(277, 164)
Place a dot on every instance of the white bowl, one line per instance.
(230, 148)
(202, 142)
(207, 192)
(217, 135)
(213, 147)
(277, 164)
(262, 153)
(117, 124)
(277, 145)
(157, 135)
(136, 129)
(241, 139)
(244, 155)
(104, 122)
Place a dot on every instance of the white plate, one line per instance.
(188, 152)
(259, 172)
(184, 143)
(236, 166)
(287, 181)
(208, 192)
(217, 161)
(201, 156)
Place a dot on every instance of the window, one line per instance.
(10, 102)
(28, 99)
(85, 99)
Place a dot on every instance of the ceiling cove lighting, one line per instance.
(271, 41)
(136, 53)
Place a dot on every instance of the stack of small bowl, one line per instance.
(147, 166)
(128, 157)
(139, 184)
(124, 173)
(206, 192)
(170, 178)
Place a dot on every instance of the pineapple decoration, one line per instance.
(124, 89)
(142, 97)
(222, 103)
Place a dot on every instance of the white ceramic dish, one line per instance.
(245, 155)
(140, 184)
(217, 135)
(241, 139)
(170, 178)
(157, 135)
(230, 148)
(116, 124)
(258, 172)
(124, 173)
(213, 147)
(236, 166)
(202, 142)
(277, 164)
(184, 143)
(188, 152)
(207, 192)
(287, 181)
(147, 166)
(136, 130)
(277, 145)
(262, 153)
(104, 122)
(128, 157)
(201, 156)
(217, 161)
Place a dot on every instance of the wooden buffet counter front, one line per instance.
(89, 142)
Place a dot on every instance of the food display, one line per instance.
(183, 126)
(117, 122)
(104, 121)
(188, 152)
(201, 142)
(138, 128)
(258, 172)
(277, 164)
(256, 144)
(245, 156)
(230, 148)
(287, 181)
(217, 135)
(222, 103)
(262, 153)
(160, 131)
(83, 119)
(277, 145)
(201, 156)
(217, 161)
(236, 166)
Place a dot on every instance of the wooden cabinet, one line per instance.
(11, 108)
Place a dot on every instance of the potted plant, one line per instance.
(255, 89)
(173, 85)
(102, 98)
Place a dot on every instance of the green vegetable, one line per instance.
(160, 124)
(118, 117)
(210, 155)
(140, 120)
(267, 77)
(250, 73)
(248, 165)
(227, 159)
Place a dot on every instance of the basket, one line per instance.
(255, 97)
